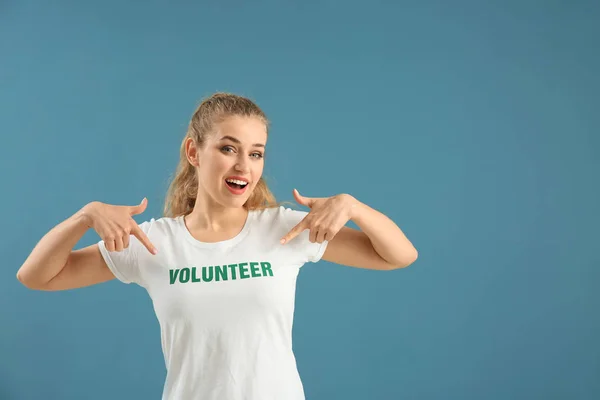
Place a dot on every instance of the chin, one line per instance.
(235, 201)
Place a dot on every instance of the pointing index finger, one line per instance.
(138, 233)
(295, 231)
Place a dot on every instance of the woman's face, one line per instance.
(231, 162)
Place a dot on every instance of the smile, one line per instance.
(236, 186)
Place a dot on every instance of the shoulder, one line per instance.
(159, 226)
(278, 221)
(279, 215)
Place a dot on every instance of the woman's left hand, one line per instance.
(326, 217)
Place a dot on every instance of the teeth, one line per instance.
(242, 183)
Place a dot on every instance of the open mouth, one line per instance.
(236, 185)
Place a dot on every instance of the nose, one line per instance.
(242, 164)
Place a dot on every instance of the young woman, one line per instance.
(223, 279)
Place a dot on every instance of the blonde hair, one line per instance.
(182, 192)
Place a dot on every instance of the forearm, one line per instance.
(51, 253)
(387, 238)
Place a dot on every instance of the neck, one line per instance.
(211, 217)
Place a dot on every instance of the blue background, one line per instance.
(474, 126)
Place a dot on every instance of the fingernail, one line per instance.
(282, 241)
(154, 251)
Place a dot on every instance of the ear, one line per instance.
(191, 151)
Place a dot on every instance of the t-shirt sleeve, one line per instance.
(301, 244)
(125, 264)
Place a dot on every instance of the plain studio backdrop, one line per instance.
(473, 125)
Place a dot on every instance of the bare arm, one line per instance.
(53, 265)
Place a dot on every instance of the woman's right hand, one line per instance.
(114, 224)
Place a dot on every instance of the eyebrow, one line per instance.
(227, 137)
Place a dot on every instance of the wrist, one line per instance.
(353, 206)
(84, 215)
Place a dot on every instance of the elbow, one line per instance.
(414, 257)
(26, 282)
(22, 280)
(411, 259)
(405, 261)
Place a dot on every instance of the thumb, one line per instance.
(140, 208)
(305, 201)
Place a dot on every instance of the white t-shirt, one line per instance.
(225, 309)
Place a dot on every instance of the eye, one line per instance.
(229, 149)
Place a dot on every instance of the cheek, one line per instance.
(257, 171)
(220, 165)
(212, 168)
(217, 165)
